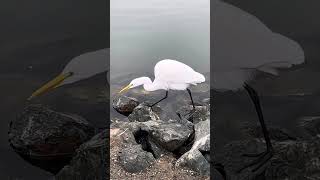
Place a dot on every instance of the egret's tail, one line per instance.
(288, 53)
(199, 78)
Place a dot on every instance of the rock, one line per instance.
(311, 125)
(125, 105)
(275, 133)
(127, 137)
(291, 160)
(143, 113)
(133, 159)
(201, 113)
(198, 157)
(46, 138)
(194, 160)
(206, 101)
(90, 160)
(202, 129)
(170, 135)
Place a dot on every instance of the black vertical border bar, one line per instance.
(105, 170)
(212, 137)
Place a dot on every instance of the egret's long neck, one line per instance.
(150, 86)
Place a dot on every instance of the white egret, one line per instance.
(79, 68)
(242, 46)
(168, 74)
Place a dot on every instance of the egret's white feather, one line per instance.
(242, 45)
(177, 75)
(169, 74)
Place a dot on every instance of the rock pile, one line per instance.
(189, 141)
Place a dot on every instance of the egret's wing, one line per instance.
(172, 71)
(240, 40)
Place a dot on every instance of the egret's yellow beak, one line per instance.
(125, 89)
(50, 85)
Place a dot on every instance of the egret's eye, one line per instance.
(70, 73)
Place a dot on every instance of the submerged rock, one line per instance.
(143, 113)
(125, 105)
(46, 138)
(90, 160)
(134, 159)
(201, 113)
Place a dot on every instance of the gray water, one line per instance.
(144, 32)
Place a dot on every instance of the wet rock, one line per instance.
(90, 160)
(125, 105)
(194, 160)
(311, 125)
(201, 113)
(46, 138)
(291, 160)
(135, 159)
(143, 113)
(170, 135)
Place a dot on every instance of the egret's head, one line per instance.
(79, 68)
(135, 83)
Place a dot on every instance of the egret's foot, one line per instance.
(150, 106)
(262, 159)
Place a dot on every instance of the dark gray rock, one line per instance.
(198, 157)
(125, 105)
(206, 101)
(156, 149)
(46, 138)
(194, 160)
(90, 160)
(291, 160)
(310, 125)
(275, 133)
(201, 113)
(202, 129)
(127, 137)
(170, 135)
(133, 159)
(143, 113)
(202, 136)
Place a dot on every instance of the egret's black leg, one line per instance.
(220, 168)
(263, 157)
(160, 99)
(192, 111)
(191, 98)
